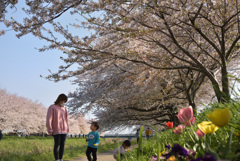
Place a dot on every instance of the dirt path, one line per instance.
(106, 156)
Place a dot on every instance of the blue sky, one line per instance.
(21, 66)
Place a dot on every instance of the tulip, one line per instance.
(220, 117)
(185, 114)
(190, 122)
(199, 133)
(169, 125)
(207, 127)
(179, 129)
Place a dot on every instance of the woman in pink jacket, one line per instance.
(57, 125)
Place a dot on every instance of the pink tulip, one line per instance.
(179, 129)
(180, 118)
(185, 114)
(190, 122)
(199, 133)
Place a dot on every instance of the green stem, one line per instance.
(190, 136)
(158, 151)
(200, 144)
(210, 140)
(196, 137)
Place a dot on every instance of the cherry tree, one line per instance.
(181, 26)
(19, 113)
(4, 4)
(78, 125)
(132, 94)
(195, 35)
(199, 37)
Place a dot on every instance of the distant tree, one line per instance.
(78, 125)
(19, 113)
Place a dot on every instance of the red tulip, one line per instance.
(169, 125)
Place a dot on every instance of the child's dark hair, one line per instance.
(95, 124)
(126, 143)
(61, 97)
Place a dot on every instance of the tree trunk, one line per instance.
(217, 91)
(225, 84)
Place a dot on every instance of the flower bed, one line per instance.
(212, 135)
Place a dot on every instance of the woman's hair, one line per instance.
(126, 143)
(61, 97)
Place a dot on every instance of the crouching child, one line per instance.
(118, 153)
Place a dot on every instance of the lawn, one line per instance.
(13, 148)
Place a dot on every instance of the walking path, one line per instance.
(106, 156)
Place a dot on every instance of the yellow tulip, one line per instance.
(220, 117)
(207, 127)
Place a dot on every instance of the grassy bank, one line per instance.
(14, 148)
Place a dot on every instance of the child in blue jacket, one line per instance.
(93, 139)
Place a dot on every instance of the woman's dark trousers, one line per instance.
(59, 142)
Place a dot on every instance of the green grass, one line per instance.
(14, 148)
